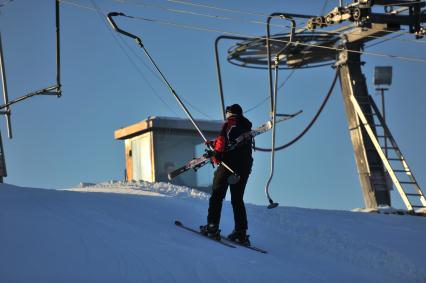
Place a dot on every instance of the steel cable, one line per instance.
(207, 29)
(102, 18)
(218, 17)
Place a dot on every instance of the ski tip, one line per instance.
(169, 177)
(178, 223)
(273, 205)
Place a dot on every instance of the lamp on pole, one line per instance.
(382, 78)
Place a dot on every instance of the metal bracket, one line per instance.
(55, 90)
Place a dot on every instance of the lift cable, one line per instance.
(380, 37)
(201, 28)
(145, 65)
(404, 3)
(207, 29)
(209, 6)
(266, 15)
(268, 97)
(384, 40)
(195, 108)
(181, 11)
(148, 5)
(136, 66)
(324, 6)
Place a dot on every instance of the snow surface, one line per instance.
(129, 236)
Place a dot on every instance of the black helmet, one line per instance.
(234, 109)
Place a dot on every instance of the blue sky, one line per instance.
(60, 142)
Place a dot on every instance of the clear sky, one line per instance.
(60, 142)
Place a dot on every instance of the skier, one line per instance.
(241, 161)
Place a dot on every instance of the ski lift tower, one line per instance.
(343, 47)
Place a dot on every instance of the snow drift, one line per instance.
(124, 232)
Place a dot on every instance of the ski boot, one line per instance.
(210, 230)
(240, 237)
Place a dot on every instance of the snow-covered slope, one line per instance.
(75, 236)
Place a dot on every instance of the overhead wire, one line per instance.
(266, 15)
(380, 37)
(263, 23)
(208, 6)
(136, 66)
(201, 28)
(404, 3)
(78, 5)
(99, 11)
(218, 17)
(207, 29)
(192, 13)
(382, 41)
(212, 30)
(260, 103)
(159, 79)
(102, 18)
(324, 6)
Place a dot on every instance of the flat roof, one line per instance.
(170, 123)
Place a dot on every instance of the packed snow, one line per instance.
(125, 232)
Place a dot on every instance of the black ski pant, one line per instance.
(219, 188)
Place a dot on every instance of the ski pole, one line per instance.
(181, 104)
(274, 92)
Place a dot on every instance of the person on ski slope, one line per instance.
(241, 161)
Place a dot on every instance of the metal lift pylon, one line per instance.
(371, 172)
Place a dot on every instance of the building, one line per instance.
(158, 145)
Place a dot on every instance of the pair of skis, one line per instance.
(223, 240)
(199, 162)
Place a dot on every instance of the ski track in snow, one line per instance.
(89, 234)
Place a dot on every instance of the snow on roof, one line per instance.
(170, 123)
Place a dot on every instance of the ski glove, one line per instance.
(215, 156)
(209, 144)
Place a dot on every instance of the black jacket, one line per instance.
(240, 158)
